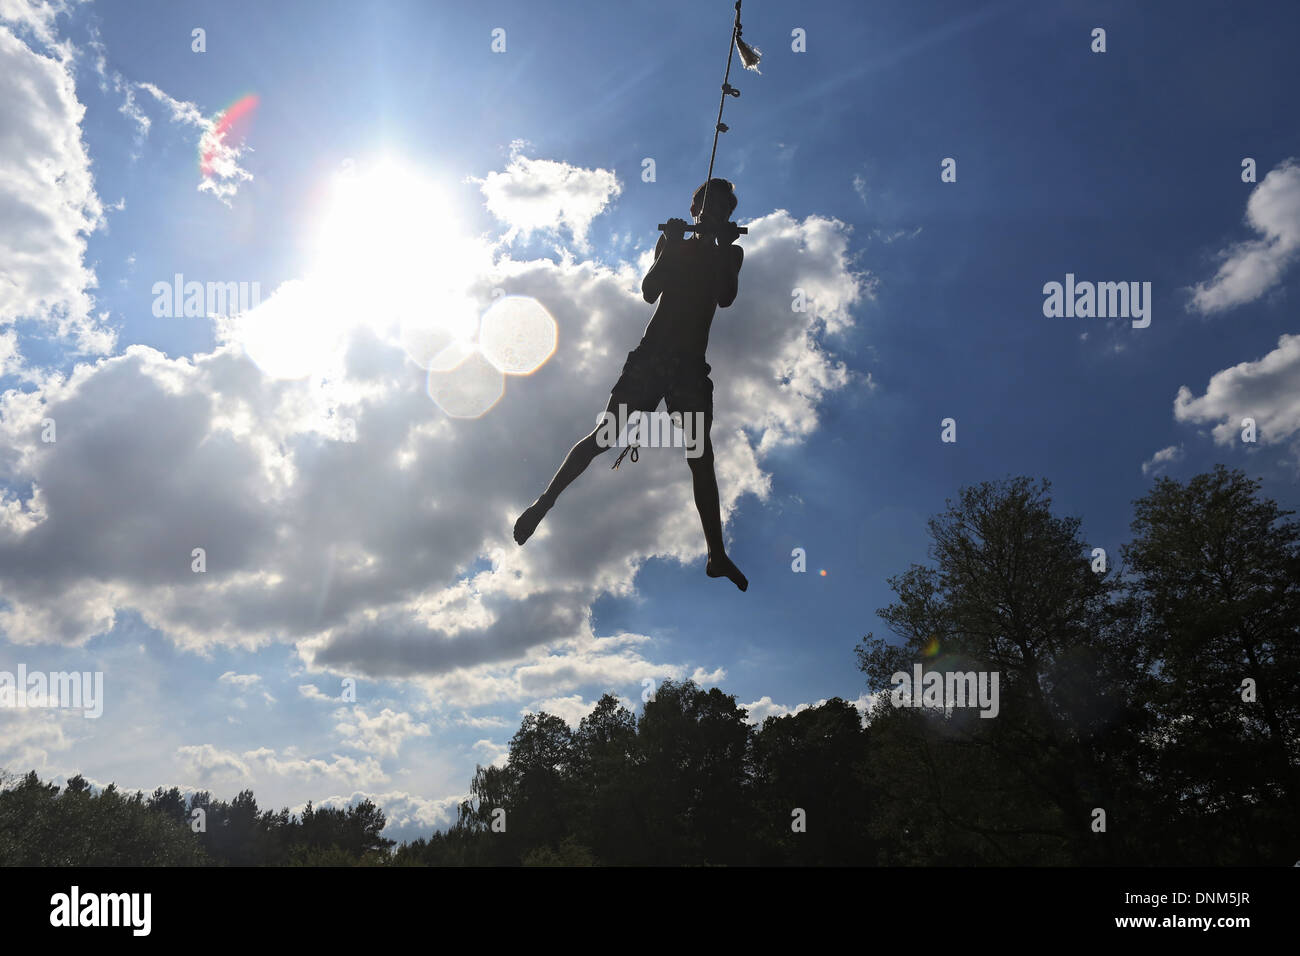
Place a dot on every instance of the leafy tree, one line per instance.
(1217, 570)
(813, 761)
(691, 778)
(568, 853)
(1012, 591)
(169, 803)
(541, 763)
(604, 749)
(40, 827)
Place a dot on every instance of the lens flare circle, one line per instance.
(468, 390)
(441, 342)
(518, 335)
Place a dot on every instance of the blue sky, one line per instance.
(396, 170)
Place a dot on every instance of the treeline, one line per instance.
(1147, 714)
(41, 826)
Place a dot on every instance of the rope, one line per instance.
(630, 447)
(720, 127)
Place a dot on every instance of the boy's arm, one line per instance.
(653, 283)
(729, 281)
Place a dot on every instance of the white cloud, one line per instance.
(28, 736)
(130, 108)
(892, 237)
(765, 707)
(1267, 390)
(382, 734)
(206, 762)
(552, 670)
(1253, 267)
(483, 723)
(33, 18)
(209, 763)
(492, 753)
(1158, 461)
(860, 187)
(544, 195)
(11, 362)
(407, 815)
(570, 709)
(709, 678)
(356, 551)
(221, 175)
(241, 680)
(48, 202)
(245, 682)
(358, 772)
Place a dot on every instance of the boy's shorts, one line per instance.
(649, 374)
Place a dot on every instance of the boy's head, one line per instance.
(722, 200)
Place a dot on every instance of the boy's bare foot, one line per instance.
(529, 520)
(721, 566)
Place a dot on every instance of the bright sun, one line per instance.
(386, 255)
(388, 258)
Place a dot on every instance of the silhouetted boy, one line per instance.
(691, 278)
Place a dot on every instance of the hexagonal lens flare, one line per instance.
(470, 389)
(518, 335)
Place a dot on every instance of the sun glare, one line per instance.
(391, 254)
(388, 256)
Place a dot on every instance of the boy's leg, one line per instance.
(705, 482)
(575, 463)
